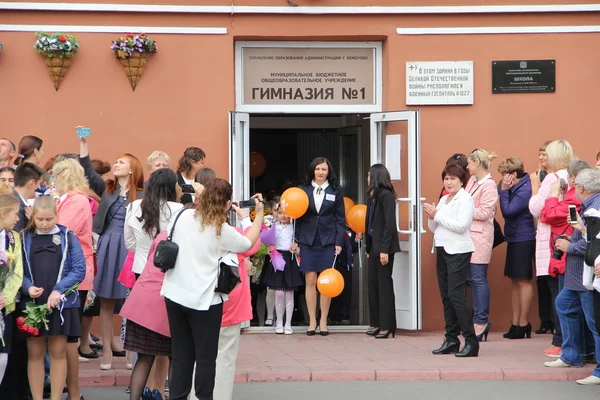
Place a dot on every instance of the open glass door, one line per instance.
(395, 143)
(239, 157)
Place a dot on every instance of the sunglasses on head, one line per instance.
(476, 155)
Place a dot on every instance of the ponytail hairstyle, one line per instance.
(27, 147)
(484, 158)
(41, 203)
(191, 155)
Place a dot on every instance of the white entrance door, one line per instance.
(395, 143)
(239, 158)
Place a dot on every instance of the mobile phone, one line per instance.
(573, 214)
(246, 203)
(187, 189)
(83, 131)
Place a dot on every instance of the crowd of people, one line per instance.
(546, 221)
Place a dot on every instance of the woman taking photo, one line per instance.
(559, 154)
(109, 223)
(382, 244)
(30, 150)
(75, 212)
(193, 307)
(450, 223)
(484, 192)
(320, 233)
(519, 234)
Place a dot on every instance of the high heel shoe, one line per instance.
(521, 332)
(312, 332)
(484, 335)
(510, 331)
(386, 335)
(373, 332)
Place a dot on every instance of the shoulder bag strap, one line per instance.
(170, 237)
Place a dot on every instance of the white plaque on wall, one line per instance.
(439, 82)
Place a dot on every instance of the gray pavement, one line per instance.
(437, 390)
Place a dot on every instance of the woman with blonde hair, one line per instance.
(482, 189)
(560, 154)
(75, 212)
(519, 234)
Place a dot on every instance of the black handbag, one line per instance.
(166, 252)
(228, 276)
(498, 235)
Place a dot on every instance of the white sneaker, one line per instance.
(590, 380)
(84, 360)
(279, 330)
(558, 363)
(289, 331)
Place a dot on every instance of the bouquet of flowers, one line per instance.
(37, 315)
(56, 45)
(268, 238)
(124, 47)
(7, 268)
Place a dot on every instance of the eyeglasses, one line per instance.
(476, 155)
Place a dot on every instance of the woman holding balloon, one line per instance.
(320, 233)
(382, 244)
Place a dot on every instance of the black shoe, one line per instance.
(96, 346)
(510, 330)
(469, 350)
(324, 333)
(545, 328)
(311, 333)
(121, 353)
(373, 332)
(95, 338)
(386, 335)
(447, 348)
(521, 332)
(92, 355)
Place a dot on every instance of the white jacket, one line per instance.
(453, 222)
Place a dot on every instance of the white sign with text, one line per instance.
(439, 82)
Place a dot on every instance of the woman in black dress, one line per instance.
(320, 233)
(382, 245)
(54, 263)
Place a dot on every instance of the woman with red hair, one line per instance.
(109, 222)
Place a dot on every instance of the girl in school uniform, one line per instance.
(54, 262)
(10, 245)
(285, 281)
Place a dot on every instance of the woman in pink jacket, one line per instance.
(484, 192)
(560, 154)
(75, 212)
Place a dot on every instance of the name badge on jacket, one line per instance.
(330, 197)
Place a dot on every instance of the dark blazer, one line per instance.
(186, 198)
(381, 235)
(330, 222)
(98, 185)
(23, 220)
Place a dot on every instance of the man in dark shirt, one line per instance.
(28, 178)
(575, 298)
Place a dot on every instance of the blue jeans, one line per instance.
(569, 305)
(480, 292)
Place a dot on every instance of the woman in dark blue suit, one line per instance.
(320, 234)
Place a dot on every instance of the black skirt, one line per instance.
(288, 279)
(70, 325)
(144, 341)
(519, 260)
(7, 334)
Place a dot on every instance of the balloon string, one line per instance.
(334, 259)
(294, 237)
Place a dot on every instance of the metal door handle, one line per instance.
(421, 215)
(410, 219)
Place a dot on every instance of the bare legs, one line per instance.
(107, 309)
(72, 371)
(84, 341)
(311, 303)
(57, 346)
(521, 296)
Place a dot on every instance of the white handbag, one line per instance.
(588, 277)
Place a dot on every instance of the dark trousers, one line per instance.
(544, 302)
(597, 309)
(453, 272)
(382, 303)
(15, 384)
(552, 284)
(341, 305)
(195, 339)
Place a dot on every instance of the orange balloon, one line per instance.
(357, 218)
(294, 202)
(330, 283)
(348, 204)
(258, 164)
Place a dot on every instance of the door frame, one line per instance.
(411, 318)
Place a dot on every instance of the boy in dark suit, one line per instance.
(344, 262)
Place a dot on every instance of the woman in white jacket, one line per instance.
(451, 222)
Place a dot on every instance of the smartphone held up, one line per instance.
(83, 131)
(573, 215)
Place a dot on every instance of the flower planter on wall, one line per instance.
(133, 51)
(58, 50)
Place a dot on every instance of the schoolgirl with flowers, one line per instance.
(11, 274)
(54, 264)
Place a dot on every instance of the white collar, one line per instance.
(323, 186)
(485, 178)
(52, 232)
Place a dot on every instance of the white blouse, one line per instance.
(319, 194)
(136, 239)
(284, 235)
